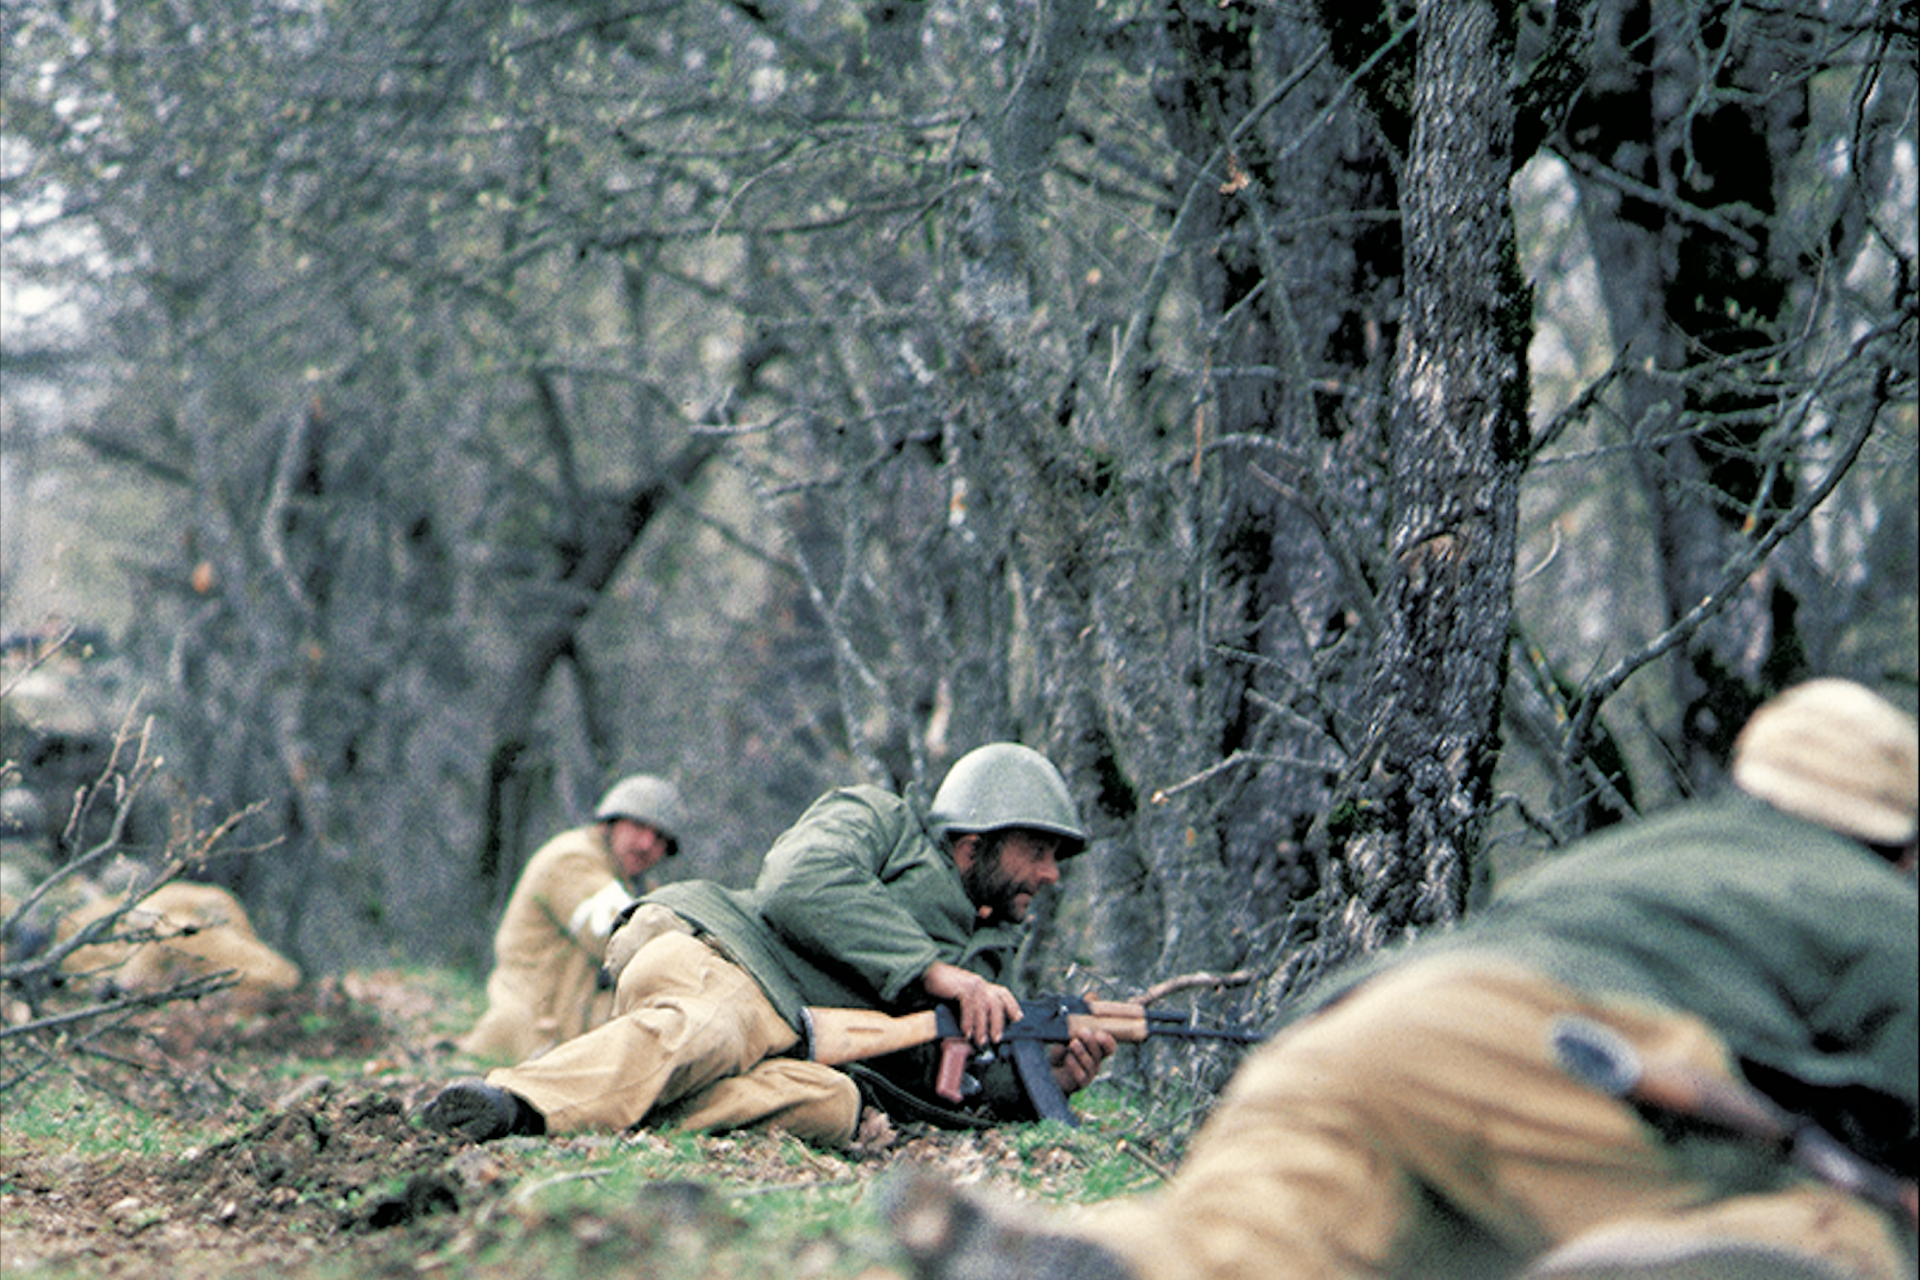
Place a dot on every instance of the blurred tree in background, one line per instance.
(1366, 446)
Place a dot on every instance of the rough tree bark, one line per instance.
(1405, 840)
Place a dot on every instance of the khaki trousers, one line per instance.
(692, 1043)
(1420, 1127)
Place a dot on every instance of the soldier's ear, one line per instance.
(964, 849)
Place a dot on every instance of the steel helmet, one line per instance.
(1835, 753)
(648, 800)
(1004, 784)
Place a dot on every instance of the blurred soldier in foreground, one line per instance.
(1417, 1122)
(545, 986)
(178, 932)
(862, 903)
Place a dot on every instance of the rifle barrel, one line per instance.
(1181, 1026)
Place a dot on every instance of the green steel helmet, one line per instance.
(1004, 784)
(648, 800)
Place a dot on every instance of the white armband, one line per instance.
(594, 918)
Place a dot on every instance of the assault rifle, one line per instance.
(839, 1036)
(1601, 1057)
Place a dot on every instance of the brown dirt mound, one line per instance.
(318, 1021)
(352, 1164)
(304, 1165)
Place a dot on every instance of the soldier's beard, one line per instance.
(996, 893)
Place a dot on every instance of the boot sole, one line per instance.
(469, 1112)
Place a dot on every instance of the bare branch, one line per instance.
(1588, 167)
(126, 1003)
(1191, 981)
(1739, 569)
(1173, 244)
(38, 660)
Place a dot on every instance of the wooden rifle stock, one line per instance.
(839, 1036)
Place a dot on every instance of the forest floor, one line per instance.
(280, 1142)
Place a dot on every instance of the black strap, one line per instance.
(905, 1105)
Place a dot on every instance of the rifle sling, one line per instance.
(905, 1105)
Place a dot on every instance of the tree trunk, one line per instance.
(607, 532)
(1688, 278)
(1412, 829)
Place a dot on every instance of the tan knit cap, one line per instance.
(1834, 753)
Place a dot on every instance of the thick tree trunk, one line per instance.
(1012, 452)
(607, 532)
(1413, 827)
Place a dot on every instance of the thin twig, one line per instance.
(1189, 981)
(1159, 1170)
(39, 659)
(1681, 209)
(1733, 577)
(130, 1003)
(1552, 552)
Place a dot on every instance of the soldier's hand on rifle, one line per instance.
(1078, 1061)
(985, 1007)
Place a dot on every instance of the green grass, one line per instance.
(86, 1124)
(667, 1205)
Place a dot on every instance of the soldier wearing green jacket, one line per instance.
(861, 903)
(1415, 1119)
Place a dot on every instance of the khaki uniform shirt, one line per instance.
(547, 952)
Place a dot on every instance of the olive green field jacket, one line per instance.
(853, 903)
(1798, 946)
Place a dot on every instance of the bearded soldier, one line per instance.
(1420, 1117)
(863, 903)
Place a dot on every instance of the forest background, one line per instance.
(1367, 446)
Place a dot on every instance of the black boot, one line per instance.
(950, 1236)
(480, 1112)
